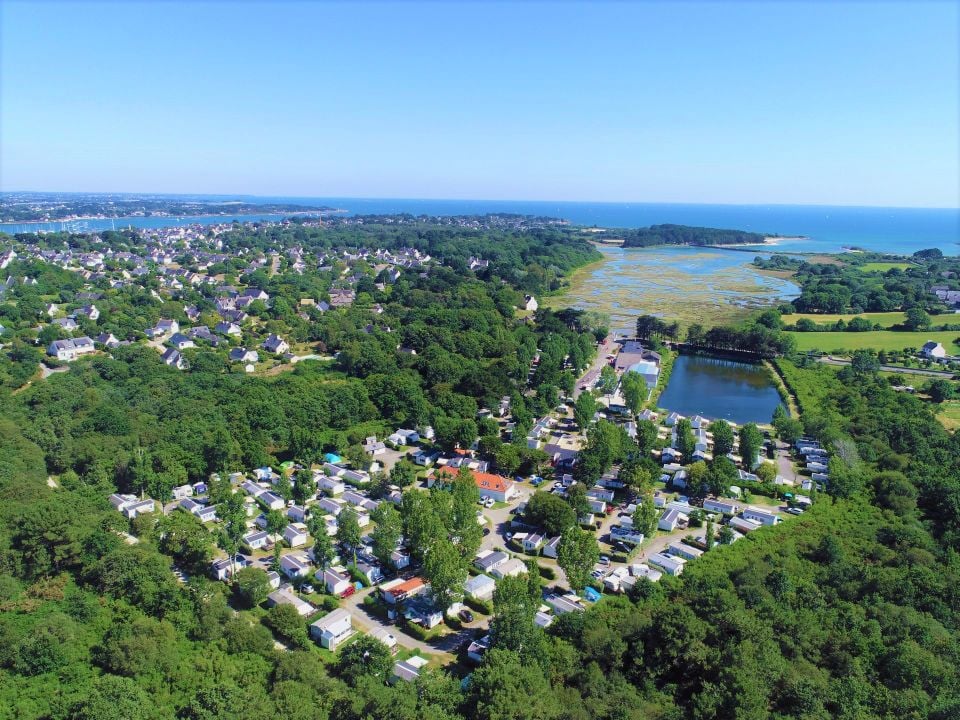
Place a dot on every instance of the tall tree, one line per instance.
(348, 531)
(387, 533)
(446, 571)
(584, 409)
(577, 554)
(722, 437)
(645, 516)
(751, 441)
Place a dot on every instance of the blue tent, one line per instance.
(331, 458)
(591, 594)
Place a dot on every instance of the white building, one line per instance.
(332, 629)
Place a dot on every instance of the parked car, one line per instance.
(795, 511)
(604, 560)
(466, 615)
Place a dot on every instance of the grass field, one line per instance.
(949, 416)
(882, 267)
(886, 319)
(875, 340)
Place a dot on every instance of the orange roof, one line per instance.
(405, 587)
(485, 481)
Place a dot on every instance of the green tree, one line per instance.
(323, 550)
(503, 686)
(634, 389)
(303, 487)
(685, 441)
(514, 608)
(286, 622)
(645, 516)
(940, 390)
(463, 514)
(446, 571)
(183, 537)
(252, 585)
(386, 535)
(751, 441)
(366, 657)
(403, 474)
(916, 319)
(577, 554)
(722, 437)
(348, 531)
(577, 499)
(550, 512)
(584, 409)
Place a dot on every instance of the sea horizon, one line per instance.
(822, 228)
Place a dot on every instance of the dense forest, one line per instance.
(689, 235)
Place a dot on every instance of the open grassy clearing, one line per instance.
(874, 340)
(882, 267)
(886, 319)
(949, 415)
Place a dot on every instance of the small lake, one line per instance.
(719, 388)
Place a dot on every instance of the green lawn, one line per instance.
(874, 340)
(949, 415)
(886, 319)
(882, 267)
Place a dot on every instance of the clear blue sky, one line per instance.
(760, 102)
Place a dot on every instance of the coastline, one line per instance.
(82, 218)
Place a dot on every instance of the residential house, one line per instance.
(331, 486)
(409, 669)
(488, 560)
(399, 559)
(933, 350)
(205, 513)
(533, 542)
(173, 358)
(271, 501)
(479, 587)
(332, 629)
(561, 604)
(68, 324)
(478, 648)
(509, 568)
(423, 611)
(296, 535)
(286, 596)
(224, 569)
(241, 354)
(672, 519)
(330, 505)
(275, 344)
(744, 525)
(670, 564)
(404, 437)
(372, 446)
(256, 540)
(294, 565)
(228, 328)
(725, 507)
(138, 508)
(764, 517)
(552, 547)
(67, 350)
(336, 582)
(687, 552)
(180, 341)
(398, 590)
(182, 491)
(386, 637)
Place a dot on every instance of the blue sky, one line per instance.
(759, 102)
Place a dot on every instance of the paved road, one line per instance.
(608, 347)
(785, 466)
(829, 360)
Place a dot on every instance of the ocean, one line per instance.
(825, 229)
